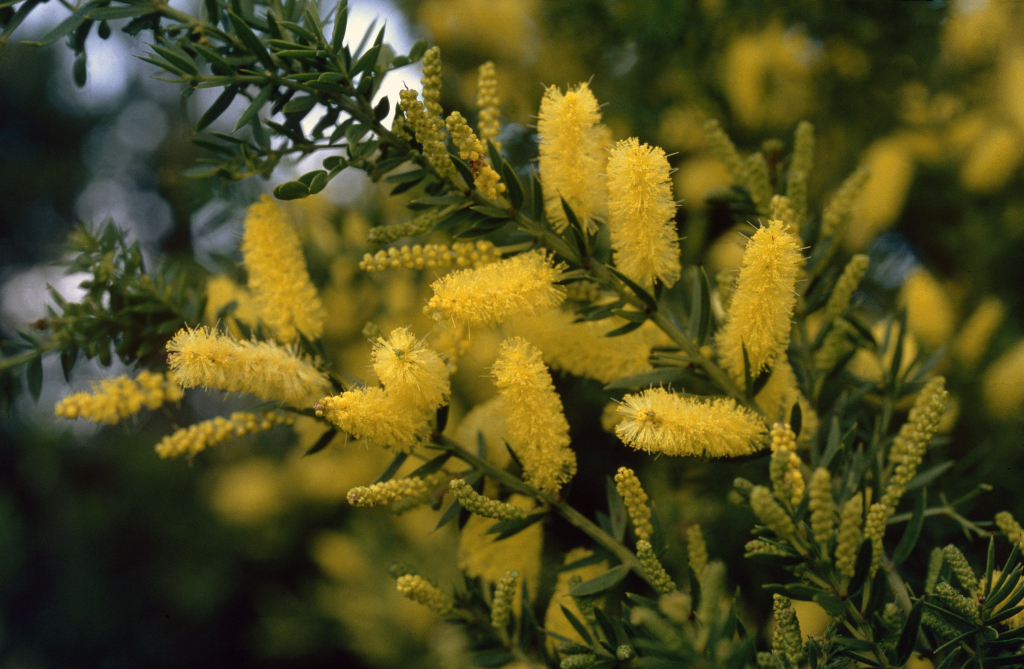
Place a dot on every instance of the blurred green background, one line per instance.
(110, 557)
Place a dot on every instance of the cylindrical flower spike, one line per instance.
(200, 436)
(787, 640)
(635, 500)
(837, 211)
(504, 591)
(696, 550)
(849, 537)
(1010, 527)
(768, 511)
(656, 574)
(284, 296)
(723, 148)
(476, 503)
(534, 422)
(487, 102)
(762, 307)
(849, 280)
(570, 160)
(823, 508)
(206, 358)
(522, 285)
(641, 214)
(413, 374)
(658, 421)
(113, 400)
(959, 566)
(419, 590)
(388, 491)
(430, 256)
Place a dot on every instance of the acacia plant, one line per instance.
(576, 261)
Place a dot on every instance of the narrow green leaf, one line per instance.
(219, 65)
(319, 182)
(832, 604)
(323, 441)
(382, 109)
(912, 531)
(637, 290)
(491, 212)
(406, 177)
(298, 31)
(507, 528)
(450, 514)
(700, 318)
(607, 580)
(176, 57)
(494, 657)
(68, 358)
(431, 466)
(218, 107)
(929, 475)
(616, 510)
(34, 376)
(340, 25)
(121, 12)
(250, 40)
(514, 189)
(300, 104)
(441, 199)
(578, 626)
(250, 113)
(860, 568)
(625, 329)
(832, 443)
(908, 637)
(796, 419)
(392, 468)
(60, 30)
(79, 71)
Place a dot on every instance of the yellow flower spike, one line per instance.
(1010, 527)
(387, 492)
(521, 285)
(487, 102)
(476, 503)
(371, 415)
(846, 285)
(504, 592)
(823, 507)
(283, 295)
(431, 256)
(641, 214)
(976, 333)
(849, 540)
(203, 357)
(787, 477)
(656, 574)
(837, 212)
(635, 500)
(696, 550)
(113, 400)
(768, 511)
(412, 373)
(658, 421)
(758, 182)
(534, 421)
(762, 306)
(570, 160)
(419, 590)
(200, 436)
(723, 148)
(472, 150)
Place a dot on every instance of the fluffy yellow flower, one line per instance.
(534, 422)
(115, 399)
(570, 160)
(658, 421)
(206, 358)
(285, 298)
(582, 348)
(522, 285)
(412, 373)
(371, 415)
(762, 306)
(641, 214)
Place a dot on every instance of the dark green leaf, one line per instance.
(382, 108)
(656, 377)
(912, 531)
(291, 190)
(832, 444)
(340, 25)
(861, 568)
(491, 212)
(255, 106)
(625, 329)
(796, 419)
(450, 514)
(607, 580)
(68, 358)
(323, 441)
(578, 626)
(616, 510)
(177, 58)
(34, 376)
(60, 30)
(298, 31)
(700, 314)
(308, 177)
(249, 38)
(507, 528)
(418, 49)
(79, 71)
(496, 657)
(631, 316)
(832, 604)
(300, 104)
(514, 189)
(440, 199)
(222, 102)
(414, 176)
(929, 475)
(393, 467)
(120, 12)
(431, 466)
(464, 170)
(494, 154)
(219, 65)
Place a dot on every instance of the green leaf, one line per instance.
(796, 419)
(123, 12)
(861, 568)
(431, 466)
(382, 108)
(79, 71)
(832, 604)
(340, 25)
(607, 580)
(34, 376)
(450, 514)
(657, 377)
(319, 182)
(578, 626)
(616, 510)
(417, 50)
(251, 41)
(507, 528)
(441, 199)
(68, 358)
(912, 531)
(491, 212)
(632, 285)
(308, 177)
(177, 58)
(514, 189)
(60, 30)
(496, 657)
(255, 106)
(625, 329)
(217, 63)
(700, 315)
(300, 104)
(392, 468)
(291, 190)
(323, 441)
(405, 177)
(929, 475)
(298, 31)
(222, 102)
